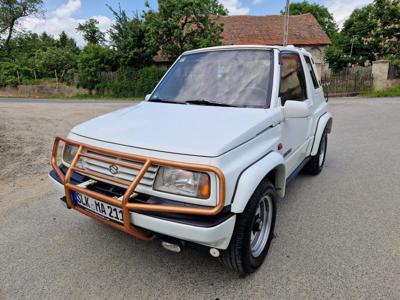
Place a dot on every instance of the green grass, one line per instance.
(391, 92)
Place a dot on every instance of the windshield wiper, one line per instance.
(158, 100)
(206, 102)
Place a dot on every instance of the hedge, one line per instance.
(146, 80)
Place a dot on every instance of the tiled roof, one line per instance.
(268, 30)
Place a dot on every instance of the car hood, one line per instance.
(183, 129)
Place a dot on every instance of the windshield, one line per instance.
(230, 77)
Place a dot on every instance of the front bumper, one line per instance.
(216, 233)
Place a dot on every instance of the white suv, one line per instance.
(205, 157)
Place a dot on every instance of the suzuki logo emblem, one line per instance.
(113, 169)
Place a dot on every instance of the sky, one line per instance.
(65, 15)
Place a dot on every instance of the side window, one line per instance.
(312, 73)
(293, 82)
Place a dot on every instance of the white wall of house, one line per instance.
(318, 54)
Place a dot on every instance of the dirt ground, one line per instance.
(337, 235)
(27, 131)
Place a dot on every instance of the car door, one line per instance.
(315, 89)
(295, 131)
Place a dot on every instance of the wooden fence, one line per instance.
(394, 72)
(348, 82)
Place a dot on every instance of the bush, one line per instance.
(70, 77)
(124, 88)
(13, 74)
(147, 79)
(8, 80)
(91, 61)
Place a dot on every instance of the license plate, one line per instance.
(105, 210)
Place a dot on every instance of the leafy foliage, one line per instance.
(181, 25)
(11, 11)
(121, 88)
(385, 23)
(128, 39)
(133, 43)
(11, 74)
(177, 26)
(147, 80)
(65, 42)
(320, 12)
(55, 61)
(91, 61)
(91, 32)
(367, 35)
(41, 56)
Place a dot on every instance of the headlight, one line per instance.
(182, 182)
(69, 153)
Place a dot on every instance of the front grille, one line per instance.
(94, 163)
(123, 172)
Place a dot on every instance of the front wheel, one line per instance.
(253, 232)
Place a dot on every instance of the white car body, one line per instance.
(246, 144)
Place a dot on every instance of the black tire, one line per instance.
(316, 164)
(239, 255)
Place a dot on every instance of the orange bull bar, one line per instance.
(124, 203)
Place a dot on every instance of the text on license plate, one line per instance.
(104, 209)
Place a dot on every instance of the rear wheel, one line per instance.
(253, 232)
(317, 162)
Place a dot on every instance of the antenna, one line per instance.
(286, 25)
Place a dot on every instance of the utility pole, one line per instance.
(286, 25)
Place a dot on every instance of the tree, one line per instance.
(128, 39)
(93, 60)
(37, 56)
(55, 62)
(64, 41)
(12, 74)
(181, 25)
(11, 11)
(320, 12)
(385, 23)
(91, 32)
(24, 46)
(367, 35)
(347, 45)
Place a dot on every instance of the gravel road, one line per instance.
(337, 234)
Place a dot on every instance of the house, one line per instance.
(304, 31)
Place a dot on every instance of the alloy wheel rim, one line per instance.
(261, 226)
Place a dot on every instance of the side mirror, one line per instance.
(147, 97)
(296, 109)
